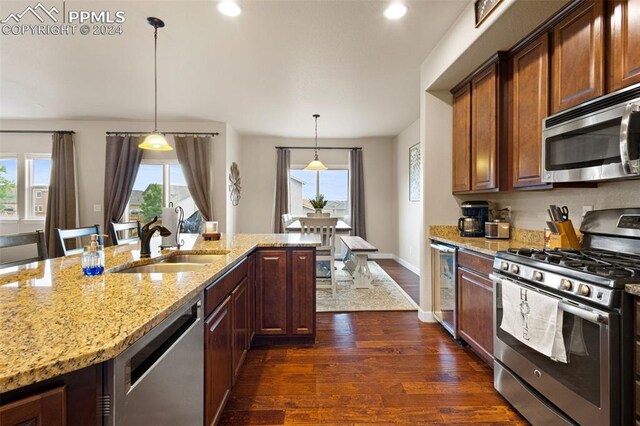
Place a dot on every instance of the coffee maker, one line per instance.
(475, 214)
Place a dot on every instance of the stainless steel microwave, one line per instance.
(595, 141)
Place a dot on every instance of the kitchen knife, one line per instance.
(551, 215)
(553, 228)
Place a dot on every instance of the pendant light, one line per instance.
(316, 164)
(155, 141)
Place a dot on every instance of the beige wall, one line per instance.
(409, 220)
(232, 154)
(90, 158)
(258, 171)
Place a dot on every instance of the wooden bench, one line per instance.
(355, 262)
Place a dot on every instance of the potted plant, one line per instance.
(318, 203)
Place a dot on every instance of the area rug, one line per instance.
(386, 294)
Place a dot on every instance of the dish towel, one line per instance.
(533, 319)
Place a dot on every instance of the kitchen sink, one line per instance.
(162, 268)
(193, 258)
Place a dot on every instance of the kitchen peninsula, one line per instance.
(56, 322)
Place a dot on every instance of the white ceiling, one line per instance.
(265, 72)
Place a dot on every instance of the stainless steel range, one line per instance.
(594, 386)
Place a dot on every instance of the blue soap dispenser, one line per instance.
(93, 258)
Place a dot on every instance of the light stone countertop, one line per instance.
(54, 320)
(633, 289)
(521, 238)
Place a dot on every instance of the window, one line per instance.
(38, 170)
(9, 188)
(306, 185)
(157, 184)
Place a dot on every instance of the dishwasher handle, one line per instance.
(443, 248)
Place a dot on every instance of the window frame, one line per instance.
(19, 170)
(329, 167)
(29, 205)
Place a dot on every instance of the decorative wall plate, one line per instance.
(234, 184)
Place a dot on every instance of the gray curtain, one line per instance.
(356, 190)
(193, 155)
(62, 202)
(282, 189)
(122, 162)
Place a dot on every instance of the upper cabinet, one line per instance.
(529, 106)
(462, 139)
(578, 59)
(484, 130)
(623, 44)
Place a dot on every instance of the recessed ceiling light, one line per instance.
(395, 11)
(229, 8)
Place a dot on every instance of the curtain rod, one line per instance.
(38, 131)
(320, 147)
(165, 133)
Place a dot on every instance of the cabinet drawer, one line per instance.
(216, 292)
(475, 262)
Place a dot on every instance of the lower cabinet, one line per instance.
(240, 327)
(46, 409)
(271, 292)
(475, 303)
(217, 361)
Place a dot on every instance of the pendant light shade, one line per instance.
(155, 141)
(316, 164)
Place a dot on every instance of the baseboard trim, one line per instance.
(407, 265)
(425, 316)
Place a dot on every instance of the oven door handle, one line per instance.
(583, 313)
(628, 165)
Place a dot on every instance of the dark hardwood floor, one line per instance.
(368, 368)
(406, 279)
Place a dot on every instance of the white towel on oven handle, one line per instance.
(541, 327)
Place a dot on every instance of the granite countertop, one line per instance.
(521, 238)
(633, 289)
(54, 320)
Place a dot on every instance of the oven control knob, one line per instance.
(566, 284)
(515, 269)
(504, 266)
(585, 290)
(537, 276)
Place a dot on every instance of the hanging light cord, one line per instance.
(316, 155)
(155, 76)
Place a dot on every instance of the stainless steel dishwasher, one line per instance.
(444, 287)
(159, 379)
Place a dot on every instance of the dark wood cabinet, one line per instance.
(484, 129)
(271, 292)
(251, 276)
(578, 56)
(44, 409)
(240, 314)
(303, 292)
(529, 105)
(218, 361)
(475, 303)
(462, 139)
(623, 44)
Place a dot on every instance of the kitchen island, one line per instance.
(56, 321)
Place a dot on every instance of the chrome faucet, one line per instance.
(146, 234)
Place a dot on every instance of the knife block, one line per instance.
(567, 237)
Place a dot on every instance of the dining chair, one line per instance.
(314, 214)
(286, 220)
(122, 233)
(24, 239)
(67, 234)
(326, 229)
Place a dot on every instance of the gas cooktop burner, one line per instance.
(603, 263)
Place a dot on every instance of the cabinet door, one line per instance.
(484, 136)
(475, 312)
(44, 409)
(578, 62)
(462, 140)
(251, 275)
(529, 108)
(623, 54)
(271, 292)
(217, 361)
(303, 292)
(240, 313)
